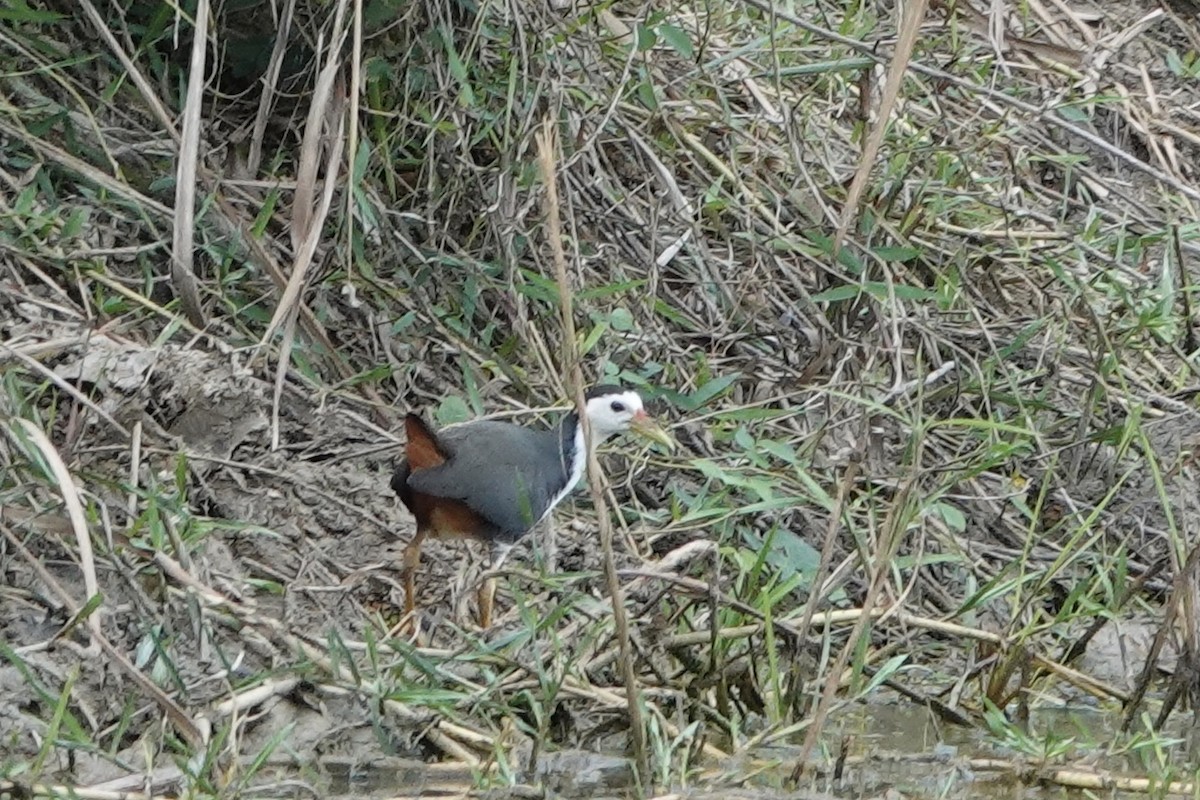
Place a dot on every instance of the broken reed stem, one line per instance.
(183, 278)
(574, 379)
(912, 15)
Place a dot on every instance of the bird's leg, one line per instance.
(411, 559)
(486, 599)
(487, 590)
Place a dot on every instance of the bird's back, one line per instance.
(505, 473)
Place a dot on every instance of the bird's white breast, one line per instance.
(578, 465)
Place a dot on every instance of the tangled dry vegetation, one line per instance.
(943, 460)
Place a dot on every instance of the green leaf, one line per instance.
(752, 414)
(902, 254)
(265, 214)
(83, 613)
(453, 409)
(838, 294)
(593, 336)
(1022, 338)
(677, 39)
(889, 668)
(781, 450)
(952, 516)
(704, 394)
(876, 289)
(646, 37)
(404, 323)
(645, 93)
(1073, 114)
(799, 556)
(458, 70)
(710, 469)
(846, 256)
(75, 223)
(538, 287)
(663, 310)
(362, 159)
(19, 11)
(904, 292)
(621, 319)
(376, 69)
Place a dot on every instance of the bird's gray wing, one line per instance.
(506, 474)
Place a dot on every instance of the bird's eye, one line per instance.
(618, 406)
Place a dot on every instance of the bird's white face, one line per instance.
(615, 413)
(618, 412)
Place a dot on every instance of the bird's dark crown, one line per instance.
(605, 389)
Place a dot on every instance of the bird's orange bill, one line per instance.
(644, 425)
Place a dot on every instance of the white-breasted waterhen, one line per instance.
(494, 481)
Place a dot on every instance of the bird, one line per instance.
(493, 481)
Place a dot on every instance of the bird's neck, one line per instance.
(574, 448)
(573, 458)
(574, 451)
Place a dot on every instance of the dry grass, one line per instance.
(927, 337)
